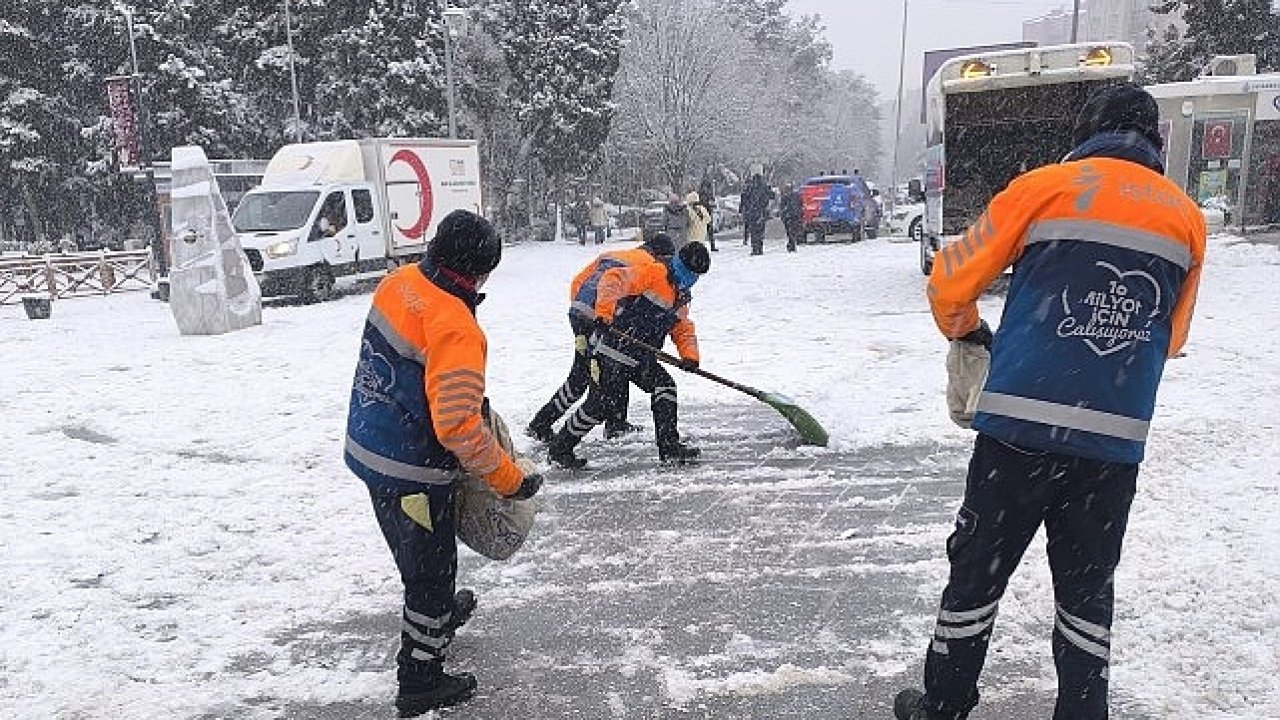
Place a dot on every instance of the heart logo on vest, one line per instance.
(1116, 316)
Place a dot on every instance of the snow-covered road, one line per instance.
(180, 538)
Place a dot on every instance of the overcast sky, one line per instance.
(866, 34)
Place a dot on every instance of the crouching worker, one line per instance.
(414, 427)
(582, 314)
(647, 303)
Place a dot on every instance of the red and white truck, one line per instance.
(328, 214)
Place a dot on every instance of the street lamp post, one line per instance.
(1075, 22)
(293, 74)
(897, 119)
(455, 22)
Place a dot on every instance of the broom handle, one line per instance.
(675, 361)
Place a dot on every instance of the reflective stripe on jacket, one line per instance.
(414, 417)
(585, 285)
(642, 301)
(1106, 256)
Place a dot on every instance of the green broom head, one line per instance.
(811, 431)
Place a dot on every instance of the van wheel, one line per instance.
(916, 230)
(319, 285)
(857, 234)
(872, 232)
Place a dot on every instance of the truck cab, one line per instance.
(307, 242)
(331, 214)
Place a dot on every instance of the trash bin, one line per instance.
(38, 308)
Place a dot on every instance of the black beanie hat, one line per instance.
(694, 255)
(660, 245)
(1117, 108)
(466, 243)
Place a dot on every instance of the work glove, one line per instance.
(687, 364)
(529, 487)
(980, 335)
(967, 367)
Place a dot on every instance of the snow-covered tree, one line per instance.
(40, 133)
(1226, 27)
(1169, 58)
(683, 90)
(563, 56)
(373, 68)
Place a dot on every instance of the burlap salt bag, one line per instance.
(488, 523)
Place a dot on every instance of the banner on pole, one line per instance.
(124, 118)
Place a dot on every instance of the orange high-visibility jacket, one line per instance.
(586, 284)
(642, 301)
(1106, 257)
(415, 415)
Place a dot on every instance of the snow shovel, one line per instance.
(811, 431)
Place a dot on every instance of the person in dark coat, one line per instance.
(792, 213)
(756, 197)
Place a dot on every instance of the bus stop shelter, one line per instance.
(1222, 144)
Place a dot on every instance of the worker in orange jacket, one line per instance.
(415, 426)
(646, 302)
(582, 314)
(1106, 255)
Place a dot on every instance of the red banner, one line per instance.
(120, 102)
(1216, 144)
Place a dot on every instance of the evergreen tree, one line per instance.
(1228, 27)
(39, 132)
(563, 56)
(372, 68)
(1168, 58)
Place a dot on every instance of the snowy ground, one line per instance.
(179, 537)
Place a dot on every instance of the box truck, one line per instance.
(995, 115)
(329, 214)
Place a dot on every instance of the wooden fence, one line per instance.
(74, 275)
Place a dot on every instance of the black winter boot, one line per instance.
(435, 690)
(540, 432)
(911, 704)
(619, 428)
(560, 451)
(464, 603)
(678, 453)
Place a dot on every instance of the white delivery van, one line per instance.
(328, 214)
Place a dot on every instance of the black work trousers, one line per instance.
(1009, 492)
(419, 529)
(608, 392)
(795, 232)
(575, 385)
(754, 230)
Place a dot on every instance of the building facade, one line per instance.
(1124, 20)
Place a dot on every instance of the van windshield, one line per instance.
(274, 211)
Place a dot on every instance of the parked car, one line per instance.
(838, 203)
(653, 215)
(727, 215)
(908, 221)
